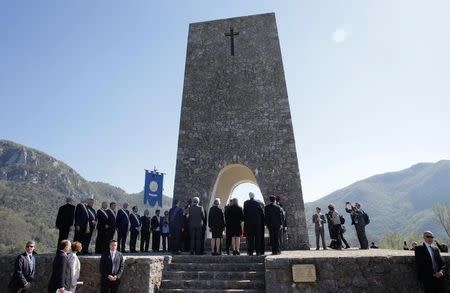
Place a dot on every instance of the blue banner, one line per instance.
(153, 188)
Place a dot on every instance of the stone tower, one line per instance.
(235, 123)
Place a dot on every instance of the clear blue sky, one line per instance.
(98, 84)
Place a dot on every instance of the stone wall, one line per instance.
(347, 271)
(142, 273)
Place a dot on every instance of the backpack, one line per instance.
(341, 217)
(366, 218)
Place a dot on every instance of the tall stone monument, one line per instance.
(235, 123)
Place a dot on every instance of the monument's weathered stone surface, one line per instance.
(142, 273)
(351, 271)
(235, 112)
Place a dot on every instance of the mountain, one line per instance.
(399, 202)
(32, 187)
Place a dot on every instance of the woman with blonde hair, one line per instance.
(74, 263)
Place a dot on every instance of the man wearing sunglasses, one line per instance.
(24, 270)
(430, 267)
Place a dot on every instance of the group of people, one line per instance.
(179, 229)
(66, 269)
(336, 228)
(236, 221)
(112, 223)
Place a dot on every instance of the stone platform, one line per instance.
(352, 270)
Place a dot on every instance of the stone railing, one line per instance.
(367, 271)
(142, 273)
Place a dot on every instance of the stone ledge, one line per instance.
(374, 270)
(142, 272)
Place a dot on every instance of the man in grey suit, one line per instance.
(319, 220)
(196, 221)
(111, 269)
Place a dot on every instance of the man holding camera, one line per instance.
(359, 220)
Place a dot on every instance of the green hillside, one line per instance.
(397, 202)
(32, 187)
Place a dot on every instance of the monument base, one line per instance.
(352, 270)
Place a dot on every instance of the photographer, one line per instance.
(358, 218)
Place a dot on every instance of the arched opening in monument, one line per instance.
(235, 180)
(229, 178)
(241, 192)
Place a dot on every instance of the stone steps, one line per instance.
(210, 290)
(216, 266)
(195, 274)
(218, 259)
(213, 284)
(217, 275)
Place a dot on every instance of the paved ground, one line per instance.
(352, 252)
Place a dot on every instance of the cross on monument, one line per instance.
(231, 34)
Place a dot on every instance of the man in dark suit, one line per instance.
(430, 267)
(175, 226)
(111, 224)
(102, 241)
(82, 227)
(274, 222)
(111, 269)
(135, 225)
(92, 222)
(24, 269)
(123, 224)
(145, 231)
(254, 219)
(64, 219)
(197, 219)
(156, 224)
(61, 277)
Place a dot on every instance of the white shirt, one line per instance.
(113, 256)
(433, 261)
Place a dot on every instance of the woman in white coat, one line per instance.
(75, 264)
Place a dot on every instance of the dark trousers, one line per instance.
(202, 240)
(228, 240)
(145, 241)
(78, 236)
(121, 239)
(343, 238)
(254, 238)
(320, 232)
(133, 238)
(274, 233)
(434, 285)
(362, 238)
(156, 239)
(84, 238)
(165, 237)
(175, 239)
(87, 241)
(109, 236)
(100, 246)
(196, 235)
(63, 235)
(337, 236)
(110, 287)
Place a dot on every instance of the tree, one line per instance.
(442, 212)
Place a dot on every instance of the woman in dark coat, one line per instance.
(216, 225)
(236, 217)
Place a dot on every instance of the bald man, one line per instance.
(430, 267)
